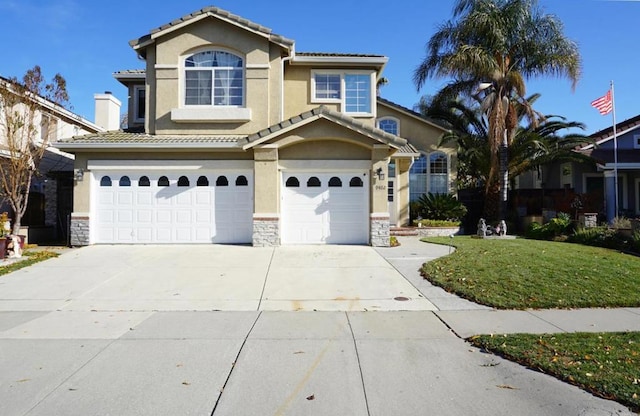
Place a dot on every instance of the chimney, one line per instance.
(107, 111)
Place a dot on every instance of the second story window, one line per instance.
(388, 124)
(214, 78)
(353, 90)
(139, 103)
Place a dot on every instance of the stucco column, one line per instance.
(379, 219)
(402, 190)
(80, 231)
(266, 217)
(610, 191)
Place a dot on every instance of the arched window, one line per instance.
(222, 181)
(214, 77)
(313, 182)
(144, 181)
(356, 182)
(202, 181)
(105, 181)
(292, 182)
(163, 181)
(335, 182)
(388, 124)
(242, 181)
(125, 181)
(183, 181)
(438, 173)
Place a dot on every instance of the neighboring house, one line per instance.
(51, 194)
(235, 137)
(594, 185)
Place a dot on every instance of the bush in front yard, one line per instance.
(440, 207)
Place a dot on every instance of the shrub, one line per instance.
(437, 223)
(621, 222)
(558, 226)
(600, 237)
(441, 207)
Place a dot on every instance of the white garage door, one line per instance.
(323, 208)
(152, 207)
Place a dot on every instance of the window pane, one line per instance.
(357, 93)
(335, 182)
(144, 181)
(198, 87)
(418, 178)
(125, 181)
(228, 87)
(202, 181)
(390, 126)
(222, 181)
(313, 182)
(438, 174)
(355, 182)
(327, 86)
(183, 181)
(105, 181)
(163, 181)
(242, 181)
(292, 182)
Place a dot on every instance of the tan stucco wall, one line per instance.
(297, 97)
(379, 159)
(326, 150)
(402, 190)
(266, 177)
(262, 74)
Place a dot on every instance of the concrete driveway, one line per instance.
(212, 277)
(128, 330)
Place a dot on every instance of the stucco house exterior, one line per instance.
(51, 192)
(236, 137)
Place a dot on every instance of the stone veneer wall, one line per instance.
(79, 230)
(266, 231)
(380, 233)
(438, 231)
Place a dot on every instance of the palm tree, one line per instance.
(489, 49)
(534, 145)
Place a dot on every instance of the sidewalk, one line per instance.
(466, 318)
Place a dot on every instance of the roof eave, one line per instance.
(377, 61)
(146, 146)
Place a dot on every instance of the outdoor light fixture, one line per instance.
(78, 174)
(380, 174)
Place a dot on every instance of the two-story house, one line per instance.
(51, 191)
(235, 137)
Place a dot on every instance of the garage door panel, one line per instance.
(336, 214)
(155, 213)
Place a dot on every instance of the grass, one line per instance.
(33, 257)
(522, 274)
(605, 364)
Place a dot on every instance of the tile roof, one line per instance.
(621, 126)
(409, 111)
(606, 156)
(127, 139)
(336, 117)
(407, 151)
(347, 55)
(222, 14)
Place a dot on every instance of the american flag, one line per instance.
(603, 104)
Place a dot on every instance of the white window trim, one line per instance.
(342, 99)
(136, 103)
(389, 118)
(210, 113)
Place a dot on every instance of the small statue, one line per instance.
(13, 247)
(482, 228)
(502, 228)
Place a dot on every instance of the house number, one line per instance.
(380, 188)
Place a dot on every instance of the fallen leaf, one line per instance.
(186, 383)
(23, 380)
(299, 352)
(312, 397)
(506, 386)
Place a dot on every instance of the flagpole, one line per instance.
(615, 149)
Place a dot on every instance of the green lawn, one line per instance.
(521, 274)
(606, 364)
(32, 257)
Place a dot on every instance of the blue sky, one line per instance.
(87, 41)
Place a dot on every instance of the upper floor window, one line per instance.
(214, 78)
(390, 125)
(353, 90)
(139, 104)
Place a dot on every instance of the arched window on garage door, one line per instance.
(163, 181)
(125, 181)
(202, 181)
(313, 182)
(222, 181)
(242, 181)
(183, 181)
(105, 181)
(355, 182)
(335, 182)
(144, 181)
(292, 182)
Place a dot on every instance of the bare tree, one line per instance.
(25, 127)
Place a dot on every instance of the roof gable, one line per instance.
(622, 128)
(210, 12)
(323, 112)
(411, 113)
